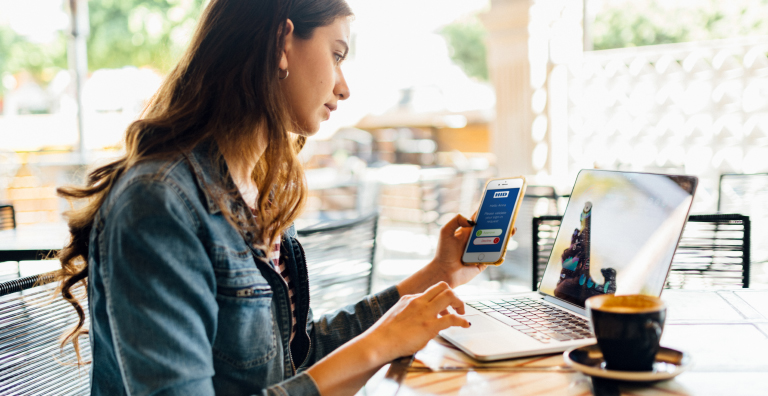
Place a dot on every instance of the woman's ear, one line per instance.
(288, 45)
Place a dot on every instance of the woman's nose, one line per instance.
(341, 90)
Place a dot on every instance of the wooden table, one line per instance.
(726, 332)
(43, 240)
(32, 242)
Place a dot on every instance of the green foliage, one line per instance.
(140, 32)
(618, 29)
(466, 44)
(123, 33)
(40, 60)
(632, 23)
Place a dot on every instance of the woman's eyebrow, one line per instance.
(346, 46)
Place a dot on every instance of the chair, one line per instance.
(30, 326)
(340, 261)
(340, 258)
(543, 232)
(7, 217)
(537, 201)
(748, 194)
(713, 252)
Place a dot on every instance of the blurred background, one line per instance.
(445, 94)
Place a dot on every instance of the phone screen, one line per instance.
(493, 221)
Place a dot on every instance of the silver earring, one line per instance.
(278, 74)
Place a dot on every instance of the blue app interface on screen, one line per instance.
(493, 221)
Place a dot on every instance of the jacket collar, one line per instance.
(212, 174)
(214, 179)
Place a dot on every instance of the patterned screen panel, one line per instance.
(697, 108)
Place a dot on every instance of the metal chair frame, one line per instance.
(26, 283)
(30, 325)
(342, 226)
(516, 260)
(759, 254)
(4, 217)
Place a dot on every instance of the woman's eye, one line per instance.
(339, 58)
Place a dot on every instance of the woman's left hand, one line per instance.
(447, 265)
(450, 248)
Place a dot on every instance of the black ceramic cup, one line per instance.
(628, 329)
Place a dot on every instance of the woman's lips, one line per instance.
(329, 109)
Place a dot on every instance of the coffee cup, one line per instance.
(628, 329)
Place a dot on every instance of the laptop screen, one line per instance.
(618, 234)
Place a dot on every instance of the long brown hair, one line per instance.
(224, 89)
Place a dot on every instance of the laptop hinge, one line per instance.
(561, 303)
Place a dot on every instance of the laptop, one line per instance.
(618, 235)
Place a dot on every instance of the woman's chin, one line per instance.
(306, 132)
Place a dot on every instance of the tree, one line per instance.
(140, 32)
(122, 33)
(631, 23)
(42, 61)
(466, 45)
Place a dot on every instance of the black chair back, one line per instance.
(747, 194)
(543, 232)
(31, 324)
(340, 261)
(713, 252)
(537, 201)
(7, 217)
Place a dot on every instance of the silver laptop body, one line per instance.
(618, 235)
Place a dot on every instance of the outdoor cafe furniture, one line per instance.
(340, 255)
(340, 264)
(32, 242)
(725, 333)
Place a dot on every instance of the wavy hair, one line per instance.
(224, 89)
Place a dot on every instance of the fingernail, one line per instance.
(472, 223)
(470, 323)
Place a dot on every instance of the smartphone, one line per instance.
(495, 218)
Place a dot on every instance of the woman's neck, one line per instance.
(241, 167)
(248, 190)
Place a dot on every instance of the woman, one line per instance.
(196, 282)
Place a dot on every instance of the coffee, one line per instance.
(628, 329)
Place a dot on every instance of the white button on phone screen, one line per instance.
(480, 257)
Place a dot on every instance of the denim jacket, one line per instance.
(181, 304)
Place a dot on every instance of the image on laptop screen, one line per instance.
(618, 234)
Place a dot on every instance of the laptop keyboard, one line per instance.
(540, 321)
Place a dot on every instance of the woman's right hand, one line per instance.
(413, 321)
(403, 330)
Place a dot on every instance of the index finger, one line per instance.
(457, 221)
(448, 298)
(452, 320)
(435, 290)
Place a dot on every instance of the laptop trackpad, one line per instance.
(487, 336)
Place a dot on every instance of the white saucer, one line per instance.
(589, 360)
